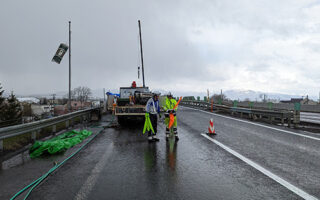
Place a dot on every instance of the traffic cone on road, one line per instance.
(211, 128)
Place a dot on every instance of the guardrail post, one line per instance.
(67, 124)
(282, 120)
(85, 121)
(1, 147)
(272, 119)
(54, 129)
(72, 122)
(296, 118)
(289, 121)
(34, 135)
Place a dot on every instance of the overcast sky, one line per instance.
(262, 45)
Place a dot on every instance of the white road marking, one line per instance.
(266, 172)
(92, 179)
(285, 131)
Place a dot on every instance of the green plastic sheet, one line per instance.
(59, 143)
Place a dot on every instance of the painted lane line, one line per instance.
(277, 129)
(266, 172)
(94, 175)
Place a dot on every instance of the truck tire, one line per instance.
(121, 120)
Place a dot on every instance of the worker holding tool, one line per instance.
(152, 110)
(170, 107)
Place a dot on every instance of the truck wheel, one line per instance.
(121, 120)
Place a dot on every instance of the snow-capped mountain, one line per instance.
(258, 96)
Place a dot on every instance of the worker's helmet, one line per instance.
(169, 94)
(156, 93)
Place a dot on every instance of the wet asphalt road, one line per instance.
(121, 164)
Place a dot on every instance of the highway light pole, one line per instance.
(141, 52)
(62, 49)
(69, 100)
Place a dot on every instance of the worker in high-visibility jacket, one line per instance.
(153, 108)
(168, 107)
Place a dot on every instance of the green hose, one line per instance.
(35, 183)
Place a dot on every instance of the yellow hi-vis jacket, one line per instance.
(170, 104)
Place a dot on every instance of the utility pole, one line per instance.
(104, 100)
(52, 105)
(69, 100)
(53, 98)
(141, 52)
(221, 95)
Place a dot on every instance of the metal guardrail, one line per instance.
(313, 118)
(280, 116)
(33, 127)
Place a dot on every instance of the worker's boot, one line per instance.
(154, 138)
(176, 134)
(150, 137)
(167, 134)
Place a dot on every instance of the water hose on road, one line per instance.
(35, 183)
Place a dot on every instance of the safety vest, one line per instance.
(170, 104)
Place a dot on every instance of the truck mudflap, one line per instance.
(130, 110)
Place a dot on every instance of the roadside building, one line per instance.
(42, 111)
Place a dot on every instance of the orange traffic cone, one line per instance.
(211, 127)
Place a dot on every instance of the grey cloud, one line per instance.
(105, 43)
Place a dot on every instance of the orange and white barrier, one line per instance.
(211, 127)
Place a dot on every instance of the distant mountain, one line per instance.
(257, 95)
(28, 99)
(231, 94)
(244, 94)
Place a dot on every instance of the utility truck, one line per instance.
(131, 104)
(132, 100)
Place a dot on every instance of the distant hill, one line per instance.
(245, 94)
(257, 95)
(231, 94)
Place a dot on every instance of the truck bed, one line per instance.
(130, 110)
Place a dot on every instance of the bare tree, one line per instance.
(218, 98)
(81, 94)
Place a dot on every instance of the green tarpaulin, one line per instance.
(59, 143)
